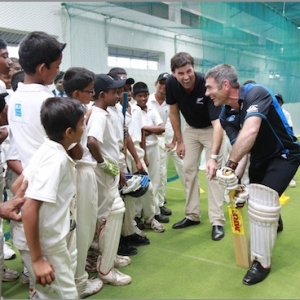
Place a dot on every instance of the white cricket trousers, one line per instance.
(87, 205)
(63, 286)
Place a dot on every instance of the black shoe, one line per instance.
(217, 232)
(139, 223)
(162, 219)
(256, 274)
(185, 223)
(126, 250)
(280, 224)
(135, 240)
(165, 211)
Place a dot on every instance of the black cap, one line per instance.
(104, 82)
(120, 71)
(279, 97)
(163, 76)
(59, 76)
(117, 71)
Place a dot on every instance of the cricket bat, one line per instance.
(240, 241)
(125, 129)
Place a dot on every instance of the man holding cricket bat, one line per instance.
(255, 125)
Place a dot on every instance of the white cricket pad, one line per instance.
(109, 237)
(263, 212)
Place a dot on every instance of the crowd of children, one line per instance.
(77, 146)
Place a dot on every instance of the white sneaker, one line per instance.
(9, 275)
(24, 279)
(8, 252)
(115, 277)
(139, 231)
(122, 261)
(155, 226)
(292, 183)
(92, 286)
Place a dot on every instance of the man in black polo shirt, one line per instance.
(255, 124)
(185, 92)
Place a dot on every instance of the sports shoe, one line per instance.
(126, 250)
(292, 183)
(135, 240)
(139, 223)
(24, 279)
(155, 226)
(92, 286)
(139, 231)
(9, 275)
(115, 277)
(161, 218)
(122, 261)
(165, 211)
(8, 252)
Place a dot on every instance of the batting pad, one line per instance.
(110, 236)
(263, 212)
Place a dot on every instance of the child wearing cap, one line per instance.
(166, 141)
(59, 88)
(103, 145)
(150, 125)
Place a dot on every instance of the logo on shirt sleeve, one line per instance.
(199, 100)
(18, 110)
(252, 108)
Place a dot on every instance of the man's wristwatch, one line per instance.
(215, 157)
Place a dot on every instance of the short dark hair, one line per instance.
(77, 79)
(58, 114)
(140, 87)
(181, 59)
(16, 78)
(249, 81)
(3, 44)
(36, 48)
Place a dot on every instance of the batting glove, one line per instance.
(241, 196)
(109, 167)
(227, 179)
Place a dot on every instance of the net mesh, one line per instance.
(258, 41)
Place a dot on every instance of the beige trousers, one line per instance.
(196, 140)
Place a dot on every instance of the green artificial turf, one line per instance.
(187, 264)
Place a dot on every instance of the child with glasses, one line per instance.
(78, 83)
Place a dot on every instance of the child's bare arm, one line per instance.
(94, 148)
(44, 271)
(159, 129)
(15, 165)
(17, 184)
(76, 152)
(3, 134)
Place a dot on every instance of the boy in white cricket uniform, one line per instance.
(152, 126)
(103, 144)
(78, 83)
(144, 203)
(128, 236)
(51, 189)
(25, 128)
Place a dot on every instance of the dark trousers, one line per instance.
(275, 173)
